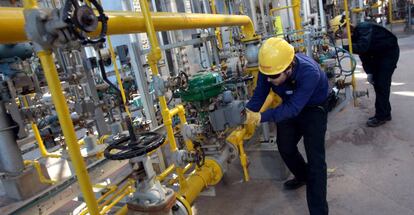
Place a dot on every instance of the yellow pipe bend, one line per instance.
(36, 165)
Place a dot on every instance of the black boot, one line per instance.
(389, 118)
(293, 184)
(375, 122)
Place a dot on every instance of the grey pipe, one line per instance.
(11, 160)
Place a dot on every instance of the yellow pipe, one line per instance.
(185, 203)
(53, 82)
(390, 10)
(66, 124)
(254, 71)
(118, 199)
(217, 30)
(123, 22)
(111, 190)
(42, 178)
(373, 6)
(102, 139)
(166, 172)
(390, 14)
(185, 170)
(118, 76)
(296, 15)
(125, 189)
(271, 11)
(348, 29)
(42, 147)
(122, 211)
(236, 138)
(207, 175)
(30, 4)
(153, 57)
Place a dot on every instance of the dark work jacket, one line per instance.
(308, 86)
(374, 43)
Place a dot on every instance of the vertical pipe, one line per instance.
(270, 19)
(153, 57)
(348, 29)
(390, 12)
(253, 11)
(139, 72)
(68, 129)
(262, 12)
(118, 75)
(322, 15)
(296, 15)
(11, 160)
(305, 11)
(361, 5)
(288, 14)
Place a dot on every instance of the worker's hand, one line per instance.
(252, 118)
(370, 79)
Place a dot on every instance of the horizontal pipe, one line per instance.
(207, 175)
(122, 22)
(280, 8)
(166, 172)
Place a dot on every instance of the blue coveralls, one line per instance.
(301, 114)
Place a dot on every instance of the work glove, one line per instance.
(252, 118)
(370, 79)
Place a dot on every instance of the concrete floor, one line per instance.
(370, 169)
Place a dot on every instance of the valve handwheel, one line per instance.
(82, 20)
(127, 147)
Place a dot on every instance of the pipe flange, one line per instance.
(182, 207)
(216, 169)
(164, 206)
(233, 151)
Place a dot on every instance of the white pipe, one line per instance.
(322, 15)
(306, 11)
(361, 5)
(263, 16)
(254, 15)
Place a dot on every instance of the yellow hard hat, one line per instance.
(275, 55)
(336, 22)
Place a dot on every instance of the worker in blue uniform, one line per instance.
(379, 52)
(303, 87)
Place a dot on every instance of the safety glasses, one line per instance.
(278, 75)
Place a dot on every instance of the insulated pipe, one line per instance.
(123, 22)
(11, 160)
